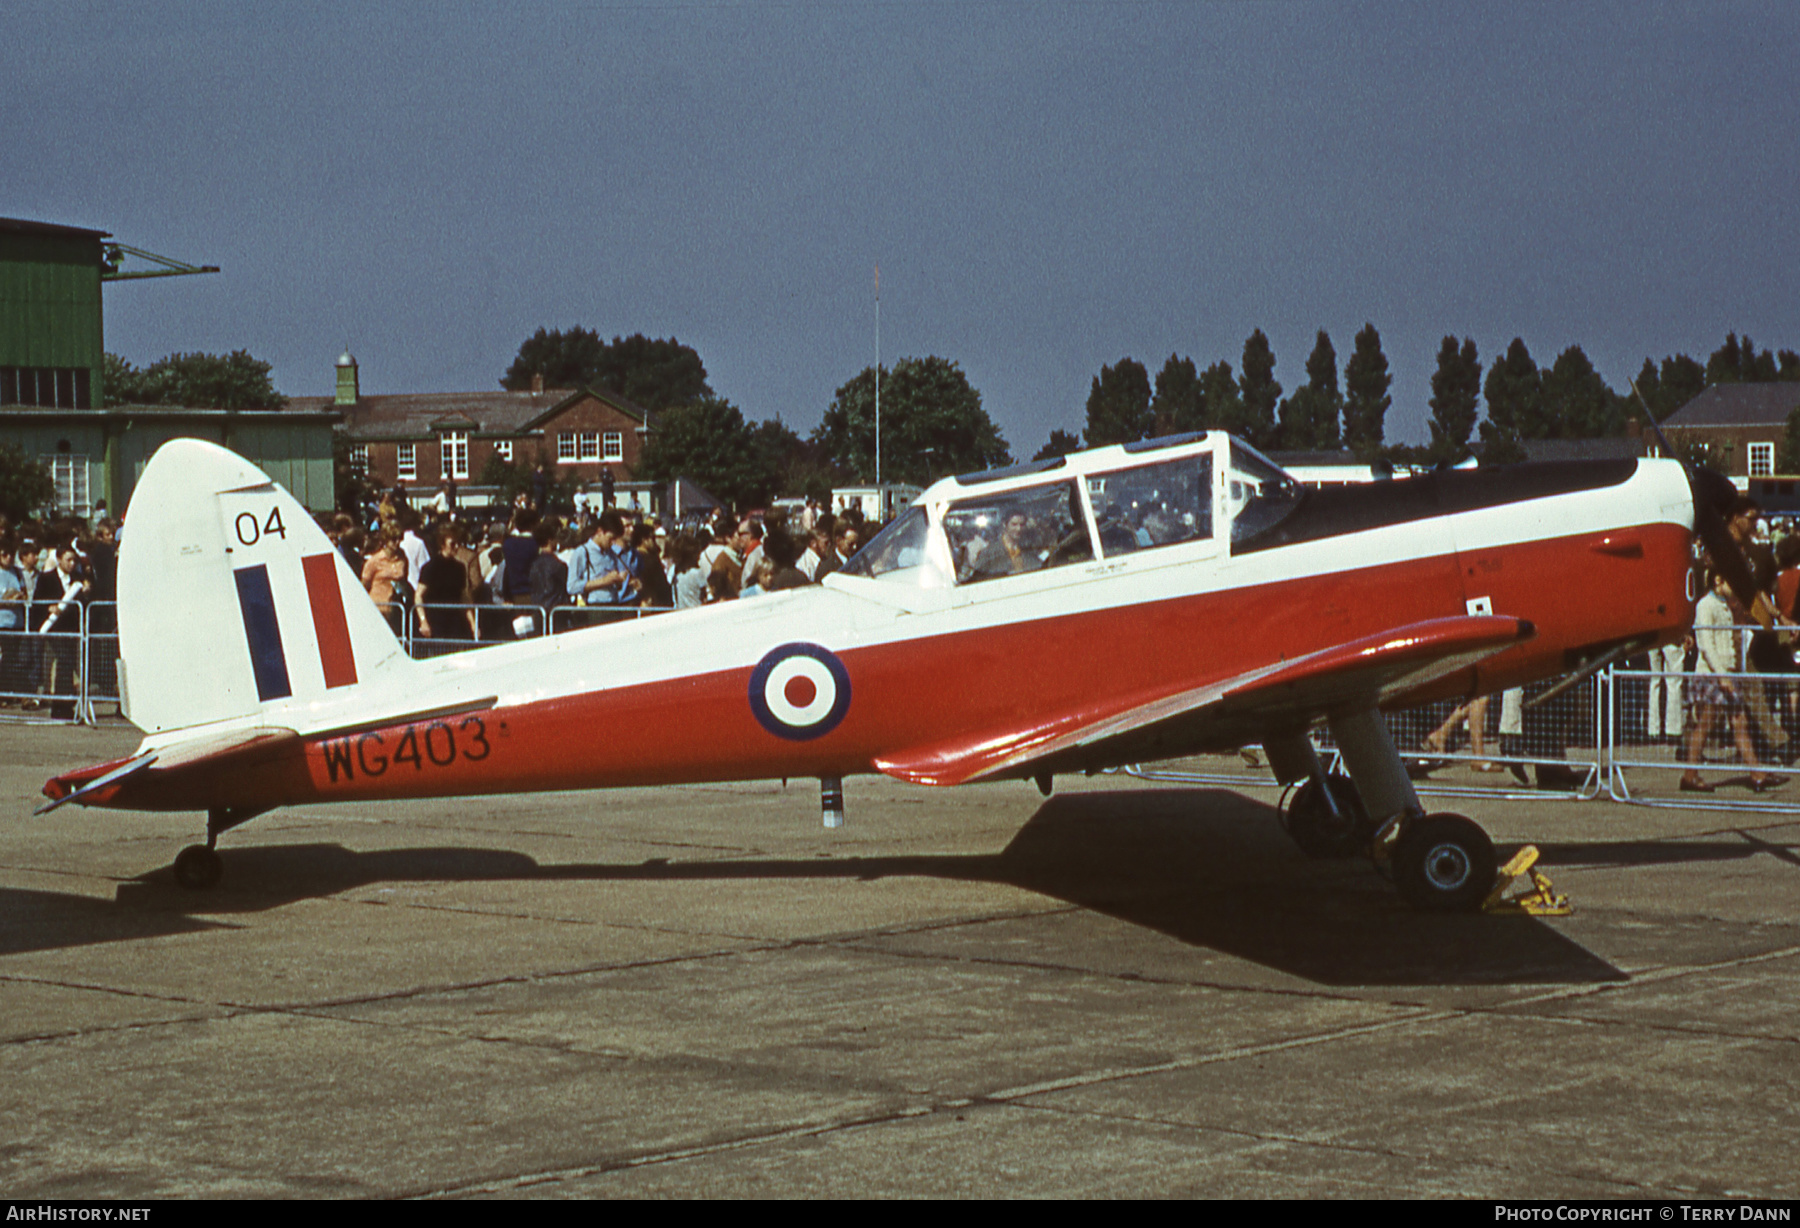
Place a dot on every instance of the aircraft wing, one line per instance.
(1234, 711)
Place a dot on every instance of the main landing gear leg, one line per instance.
(831, 800)
(197, 867)
(1440, 862)
(1325, 815)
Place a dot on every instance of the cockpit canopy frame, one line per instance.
(1161, 499)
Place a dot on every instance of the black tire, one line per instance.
(198, 868)
(1444, 863)
(1316, 831)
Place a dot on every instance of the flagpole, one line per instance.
(878, 374)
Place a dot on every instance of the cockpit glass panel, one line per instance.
(901, 552)
(1258, 494)
(1153, 505)
(1017, 531)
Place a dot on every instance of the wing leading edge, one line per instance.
(1285, 695)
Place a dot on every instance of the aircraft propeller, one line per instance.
(1714, 498)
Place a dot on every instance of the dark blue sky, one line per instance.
(1047, 186)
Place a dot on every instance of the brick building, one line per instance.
(1741, 425)
(426, 438)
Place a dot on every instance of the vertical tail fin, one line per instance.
(231, 600)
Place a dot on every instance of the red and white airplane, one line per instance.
(1121, 605)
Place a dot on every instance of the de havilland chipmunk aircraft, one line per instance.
(1115, 606)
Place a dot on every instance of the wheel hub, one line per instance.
(1447, 867)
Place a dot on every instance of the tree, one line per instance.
(932, 424)
(1789, 461)
(654, 374)
(1309, 418)
(199, 381)
(1175, 409)
(1259, 389)
(1221, 408)
(794, 466)
(1738, 362)
(1577, 402)
(1455, 400)
(1515, 395)
(1665, 390)
(1118, 404)
(1061, 444)
(708, 442)
(25, 485)
(507, 478)
(1366, 399)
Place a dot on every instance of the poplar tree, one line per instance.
(1366, 399)
(1577, 402)
(1309, 418)
(1259, 390)
(1175, 408)
(1221, 408)
(1118, 404)
(1455, 400)
(1515, 395)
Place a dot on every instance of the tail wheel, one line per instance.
(1444, 863)
(1316, 830)
(198, 868)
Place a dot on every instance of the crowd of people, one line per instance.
(50, 571)
(441, 573)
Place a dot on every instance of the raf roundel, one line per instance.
(799, 692)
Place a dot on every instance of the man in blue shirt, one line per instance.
(603, 572)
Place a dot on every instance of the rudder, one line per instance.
(232, 600)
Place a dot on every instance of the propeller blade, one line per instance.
(1714, 497)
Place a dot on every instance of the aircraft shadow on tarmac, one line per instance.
(1209, 868)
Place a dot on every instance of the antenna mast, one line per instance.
(877, 373)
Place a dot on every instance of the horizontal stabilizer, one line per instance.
(102, 783)
(88, 781)
(1298, 692)
(98, 785)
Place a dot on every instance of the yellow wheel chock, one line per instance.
(1540, 901)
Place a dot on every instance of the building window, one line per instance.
(1762, 460)
(70, 473)
(503, 449)
(359, 459)
(613, 446)
(49, 387)
(455, 454)
(578, 445)
(409, 461)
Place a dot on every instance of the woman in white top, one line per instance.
(1711, 695)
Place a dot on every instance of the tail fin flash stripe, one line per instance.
(328, 620)
(267, 659)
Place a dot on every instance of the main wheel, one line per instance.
(198, 868)
(1444, 863)
(1316, 830)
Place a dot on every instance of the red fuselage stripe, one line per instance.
(328, 620)
(1022, 677)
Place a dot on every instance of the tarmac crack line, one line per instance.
(1130, 977)
(1265, 1136)
(1007, 1096)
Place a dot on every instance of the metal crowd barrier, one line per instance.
(71, 677)
(1627, 733)
(1624, 734)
